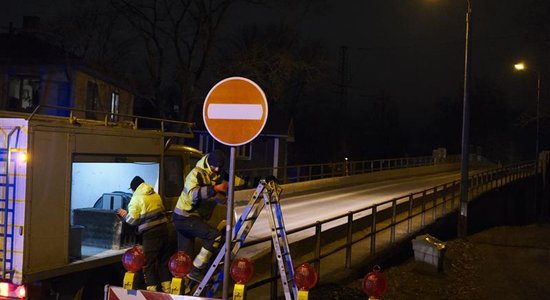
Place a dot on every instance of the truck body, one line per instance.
(62, 180)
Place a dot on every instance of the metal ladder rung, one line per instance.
(239, 240)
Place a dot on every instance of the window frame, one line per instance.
(244, 152)
(34, 82)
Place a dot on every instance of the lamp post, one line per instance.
(463, 217)
(521, 67)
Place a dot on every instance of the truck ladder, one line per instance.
(7, 202)
(270, 192)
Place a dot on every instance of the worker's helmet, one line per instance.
(136, 182)
(216, 159)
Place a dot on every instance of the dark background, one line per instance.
(360, 79)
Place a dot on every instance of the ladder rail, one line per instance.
(266, 196)
(278, 235)
(242, 228)
(286, 248)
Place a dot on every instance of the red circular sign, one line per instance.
(235, 111)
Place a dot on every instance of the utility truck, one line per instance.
(62, 180)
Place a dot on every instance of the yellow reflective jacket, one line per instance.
(145, 209)
(197, 197)
(197, 191)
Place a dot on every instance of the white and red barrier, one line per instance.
(119, 293)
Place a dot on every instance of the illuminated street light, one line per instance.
(521, 67)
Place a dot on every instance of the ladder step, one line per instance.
(239, 240)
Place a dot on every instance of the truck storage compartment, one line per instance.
(103, 228)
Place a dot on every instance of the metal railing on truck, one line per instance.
(382, 222)
(306, 172)
(170, 128)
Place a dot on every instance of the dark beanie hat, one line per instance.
(136, 182)
(216, 159)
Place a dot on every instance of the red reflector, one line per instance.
(11, 290)
(21, 292)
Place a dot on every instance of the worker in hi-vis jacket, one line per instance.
(147, 212)
(205, 187)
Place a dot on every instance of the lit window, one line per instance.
(114, 105)
(23, 93)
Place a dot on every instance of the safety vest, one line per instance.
(197, 190)
(145, 209)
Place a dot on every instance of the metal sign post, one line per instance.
(229, 224)
(234, 112)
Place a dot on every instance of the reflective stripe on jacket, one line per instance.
(145, 209)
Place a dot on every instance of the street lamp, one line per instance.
(521, 67)
(463, 217)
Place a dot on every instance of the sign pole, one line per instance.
(229, 224)
(234, 113)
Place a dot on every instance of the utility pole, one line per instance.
(463, 217)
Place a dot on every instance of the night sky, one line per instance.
(404, 71)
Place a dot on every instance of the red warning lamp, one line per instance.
(305, 277)
(180, 264)
(133, 259)
(21, 292)
(241, 270)
(375, 283)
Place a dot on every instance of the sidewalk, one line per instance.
(508, 262)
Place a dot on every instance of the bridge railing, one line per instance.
(375, 228)
(306, 172)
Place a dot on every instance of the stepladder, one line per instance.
(266, 198)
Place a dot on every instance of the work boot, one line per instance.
(196, 274)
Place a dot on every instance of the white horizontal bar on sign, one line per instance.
(235, 111)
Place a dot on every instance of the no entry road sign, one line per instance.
(235, 111)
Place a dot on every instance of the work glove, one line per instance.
(222, 187)
(121, 212)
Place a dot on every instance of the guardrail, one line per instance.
(376, 227)
(306, 172)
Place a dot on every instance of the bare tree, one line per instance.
(178, 36)
(91, 31)
(278, 60)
